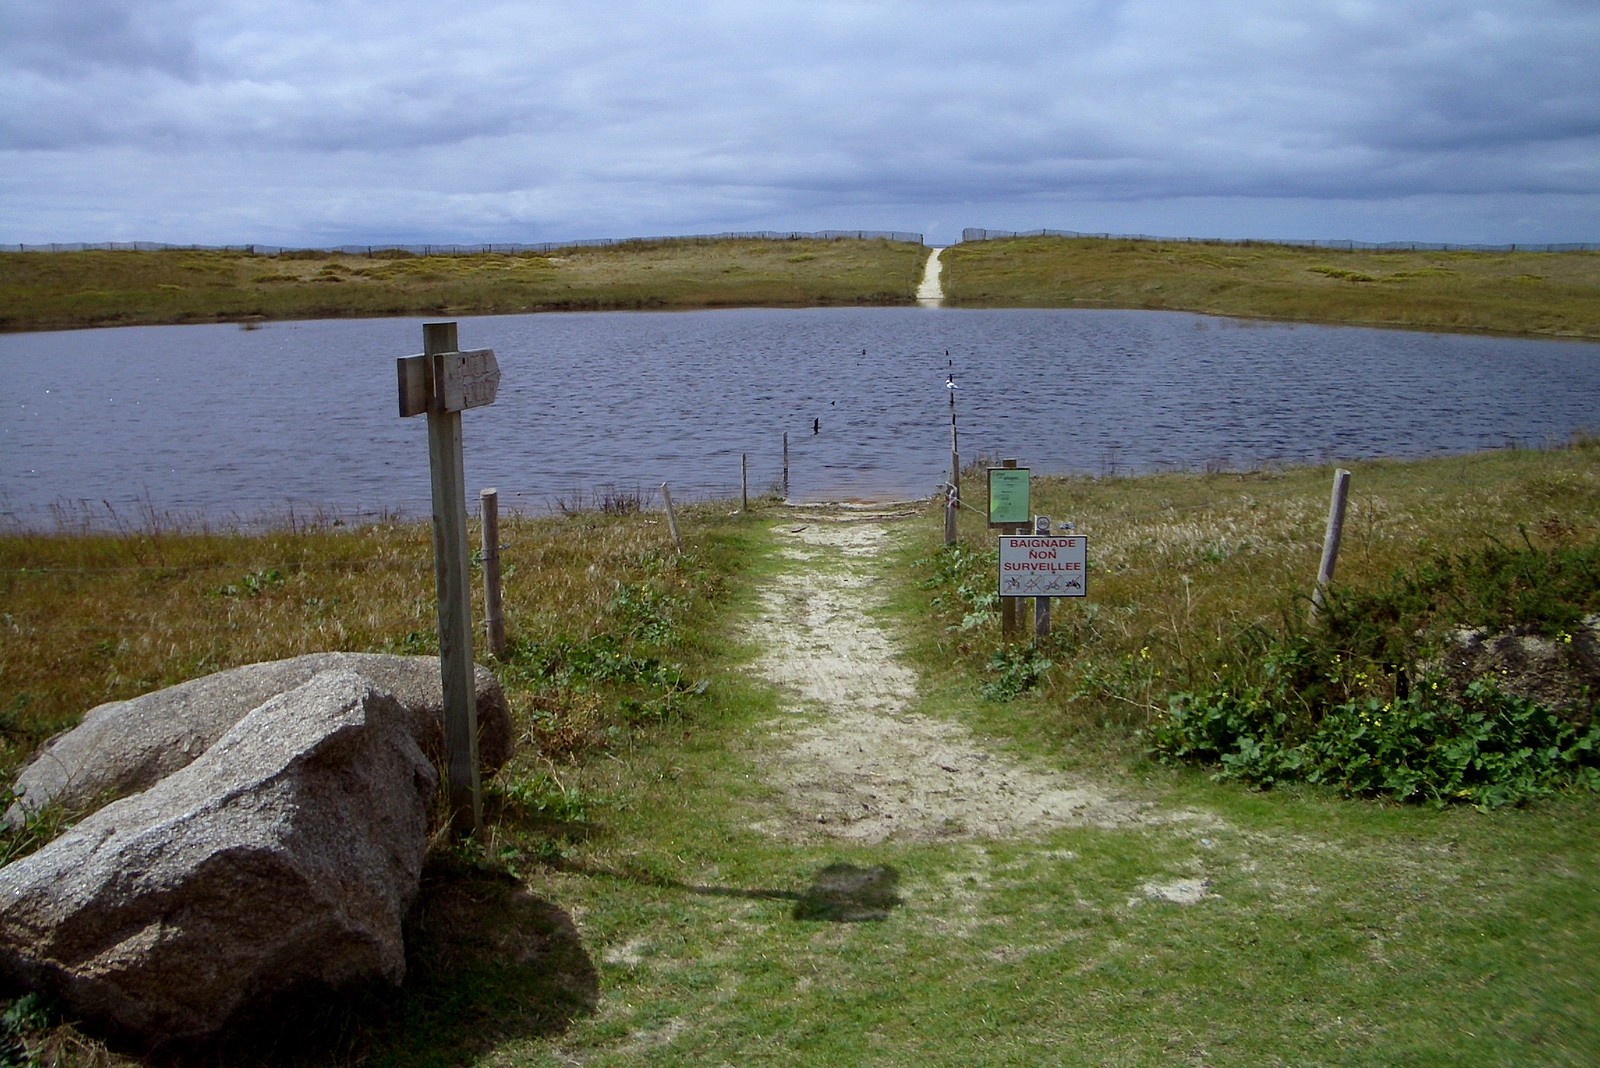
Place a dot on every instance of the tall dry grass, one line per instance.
(94, 617)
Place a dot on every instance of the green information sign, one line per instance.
(1008, 496)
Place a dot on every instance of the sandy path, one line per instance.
(853, 761)
(931, 291)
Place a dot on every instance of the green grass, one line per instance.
(40, 291)
(1545, 294)
(620, 909)
(1540, 294)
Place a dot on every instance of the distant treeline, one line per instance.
(474, 250)
(973, 233)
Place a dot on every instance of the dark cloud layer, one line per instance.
(310, 121)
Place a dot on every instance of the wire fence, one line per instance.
(478, 249)
(978, 234)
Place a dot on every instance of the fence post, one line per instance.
(672, 517)
(744, 482)
(494, 623)
(785, 465)
(1330, 541)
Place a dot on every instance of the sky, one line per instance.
(313, 123)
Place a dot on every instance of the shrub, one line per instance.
(1019, 668)
(1338, 705)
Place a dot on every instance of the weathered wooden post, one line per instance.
(951, 514)
(443, 382)
(786, 465)
(1008, 510)
(494, 622)
(1330, 541)
(744, 482)
(672, 517)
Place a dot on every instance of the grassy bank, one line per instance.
(1539, 294)
(623, 908)
(1544, 294)
(42, 291)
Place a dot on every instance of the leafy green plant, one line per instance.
(253, 584)
(969, 576)
(1489, 749)
(1018, 667)
(544, 795)
(1337, 704)
(647, 614)
(29, 1014)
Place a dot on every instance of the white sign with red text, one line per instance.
(1033, 565)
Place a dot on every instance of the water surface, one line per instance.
(231, 424)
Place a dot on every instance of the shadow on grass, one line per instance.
(487, 963)
(839, 893)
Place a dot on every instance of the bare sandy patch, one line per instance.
(853, 761)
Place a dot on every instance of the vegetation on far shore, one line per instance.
(61, 290)
(1538, 294)
(1545, 294)
(621, 907)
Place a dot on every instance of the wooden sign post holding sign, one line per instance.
(1008, 510)
(443, 382)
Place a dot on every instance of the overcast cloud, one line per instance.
(313, 122)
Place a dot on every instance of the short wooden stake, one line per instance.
(744, 482)
(494, 623)
(952, 501)
(1330, 541)
(786, 465)
(672, 517)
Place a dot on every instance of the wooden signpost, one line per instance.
(1008, 510)
(442, 382)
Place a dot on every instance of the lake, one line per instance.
(231, 425)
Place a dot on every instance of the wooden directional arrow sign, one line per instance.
(458, 381)
(465, 379)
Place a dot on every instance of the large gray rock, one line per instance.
(285, 855)
(125, 746)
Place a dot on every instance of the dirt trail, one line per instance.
(854, 762)
(930, 293)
